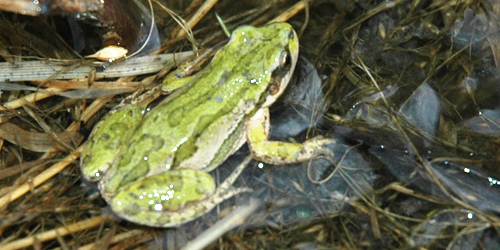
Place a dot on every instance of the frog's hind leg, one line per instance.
(223, 192)
(173, 198)
(226, 190)
(235, 174)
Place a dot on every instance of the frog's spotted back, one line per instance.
(195, 129)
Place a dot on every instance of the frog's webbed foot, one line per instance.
(229, 181)
(223, 195)
(317, 147)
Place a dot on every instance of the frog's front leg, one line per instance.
(278, 152)
(174, 197)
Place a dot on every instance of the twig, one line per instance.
(41, 178)
(54, 233)
(195, 19)
(232, 220)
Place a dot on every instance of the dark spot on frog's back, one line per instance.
(154, 142)
(135, 173)
(290, 35)
(217, 99)
(130, 112)
(223, 78)
(200, 190)
(104, 138)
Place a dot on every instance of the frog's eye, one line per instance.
(285, 60)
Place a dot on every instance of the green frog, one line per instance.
(153, 167)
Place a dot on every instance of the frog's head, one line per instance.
(282, 60)
(266, 58)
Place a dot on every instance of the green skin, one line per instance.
(160, 177)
